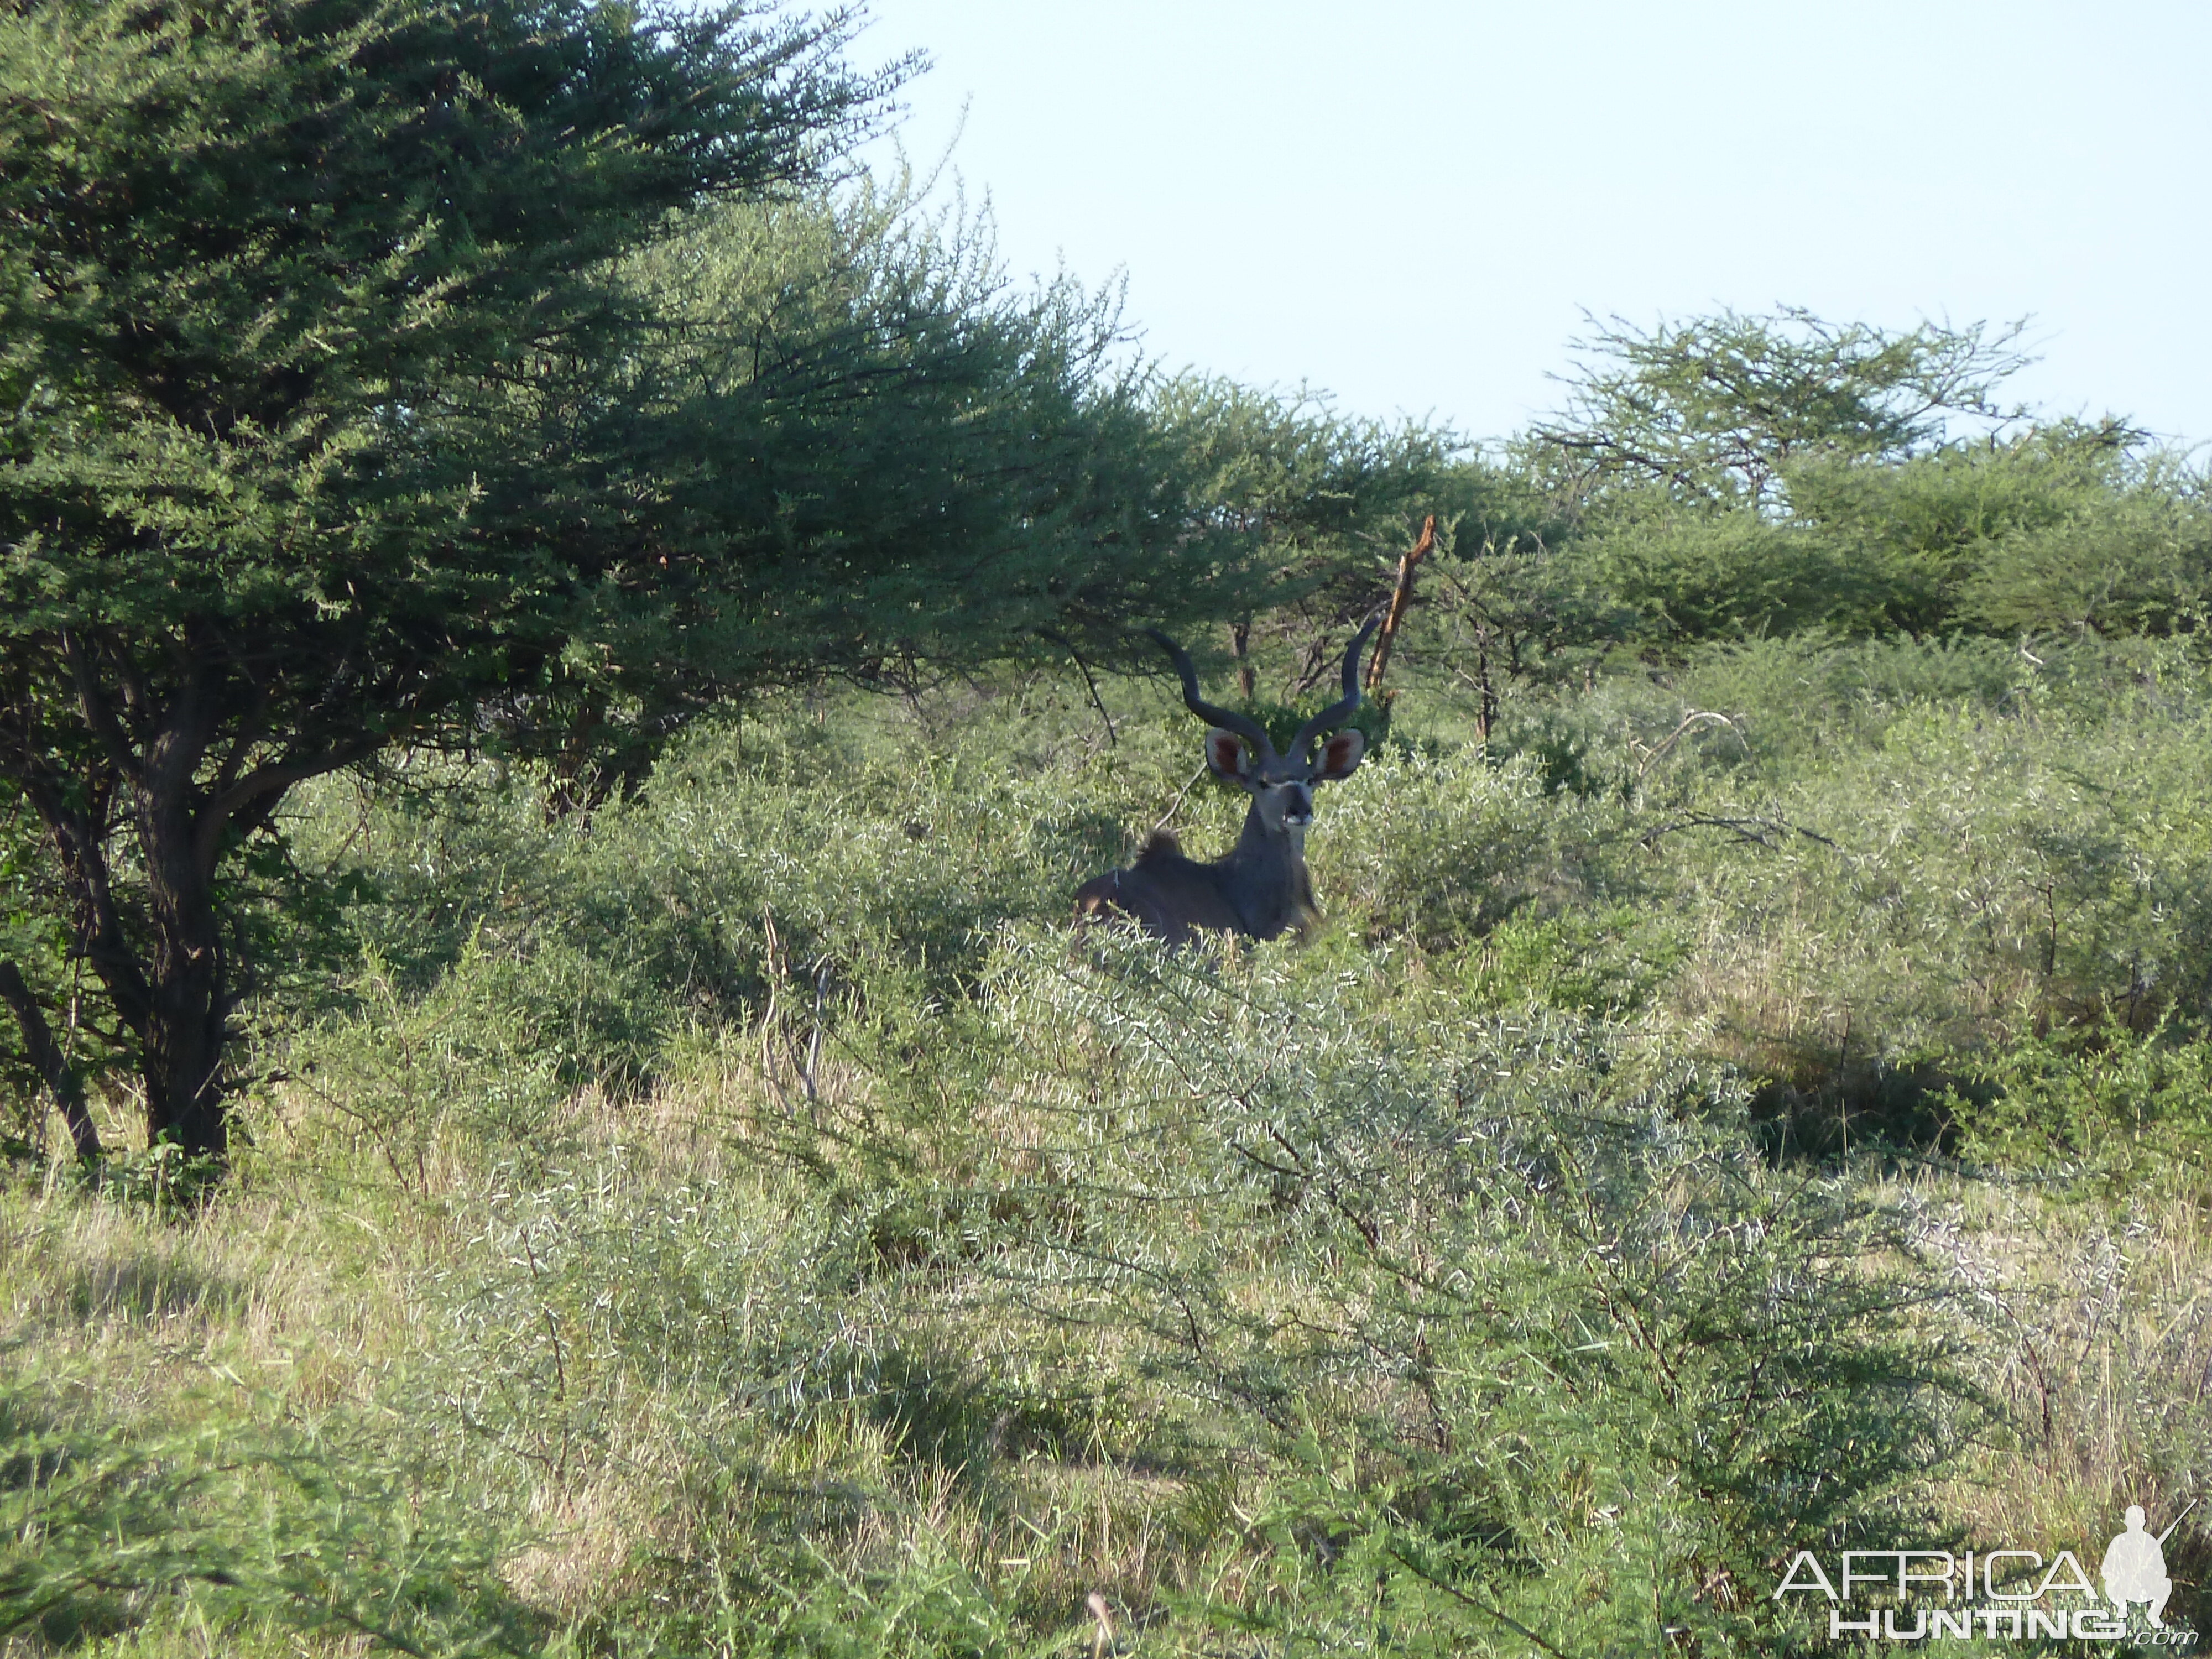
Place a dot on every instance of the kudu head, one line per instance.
(1281, 785)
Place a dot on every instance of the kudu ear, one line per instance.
(1226, 753)
(1339, 756)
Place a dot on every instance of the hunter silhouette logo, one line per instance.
(2134, 1566)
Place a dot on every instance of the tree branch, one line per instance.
(1066, 644)
(1748, 829)
(79, 839)
(279, 775)
(46, 1056)
(99, 712)
(251, 732)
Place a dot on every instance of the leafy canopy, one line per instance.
(1325, 503)
(309, 314)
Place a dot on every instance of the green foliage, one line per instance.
(713, 1202)
(927, 1605)
(796, 1241)
(1714, 411)
(1916, 849)
(1736, 477)
(299, 250)
(487, 1054)
(2060, 532)
(757, 849)
(1860, 684)
(2016, 537)
(1316, 487)
(1609, 963)
(883, 463)
(2131, 560)
(1485, 1329)
(2130, 1109)
(314, 347)
(1440, 849)
(1728, 575)
(1505, 601)
(34, 945)
(243, 1534)
(1326, 503)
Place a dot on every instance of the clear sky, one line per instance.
(1411, 203)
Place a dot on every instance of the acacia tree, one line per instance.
(1737, 475)
(1711, 410)
(347, 410)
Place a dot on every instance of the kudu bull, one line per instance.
(1261, 889)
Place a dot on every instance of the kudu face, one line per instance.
(1282, 789)
(1261, 888)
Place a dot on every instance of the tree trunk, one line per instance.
(166, 975)
(164, 965)
(1240, 652)
(1486, 718)
(181, 1045)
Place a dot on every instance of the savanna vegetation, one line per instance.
(561, 653)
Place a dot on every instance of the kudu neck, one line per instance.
(1260, 845)
(1264, 879)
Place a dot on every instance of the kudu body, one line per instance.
(1261, 890)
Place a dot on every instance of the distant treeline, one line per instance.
(1732, 478)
